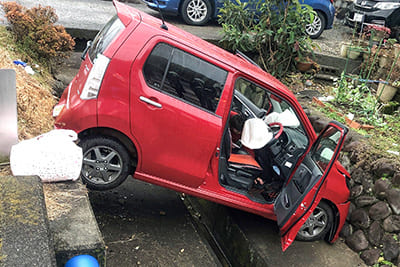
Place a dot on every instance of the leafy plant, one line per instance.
(36, 34)
(271, 31)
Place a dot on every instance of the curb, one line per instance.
(25, 239)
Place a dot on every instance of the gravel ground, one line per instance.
(330, 40)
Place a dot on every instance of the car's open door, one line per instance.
(300, 196)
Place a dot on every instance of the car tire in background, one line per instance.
(396, 33)
(196, 12)
(315, 29)
(317, 225)
(106, 163)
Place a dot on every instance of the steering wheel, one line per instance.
(278, 133)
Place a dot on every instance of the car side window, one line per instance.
(184, 76)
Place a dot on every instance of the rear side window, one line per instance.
(105, 37)
(184, 76)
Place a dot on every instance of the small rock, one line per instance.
(368, 182)
(392, 223)
(352, 208)
(346, 231)
(356, 191)
(396, 179)
(319, 125)
(393, 197)
(380, 187)
(356, 175)
(390, 248)
(352, 146)
(313, 118)
(357, 241)
(359, 218)
(370, 256)
(308, 83)
(364, 201)
(379, 211)
(383, 166)
(375, 233)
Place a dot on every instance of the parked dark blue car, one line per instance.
(199, 12)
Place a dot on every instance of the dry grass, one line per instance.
(34, 99)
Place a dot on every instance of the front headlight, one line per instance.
(387, 5)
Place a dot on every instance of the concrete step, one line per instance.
(335, 65)
(72, 222)
(25, 239)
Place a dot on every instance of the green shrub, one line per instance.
(274, 34)
(35, 32)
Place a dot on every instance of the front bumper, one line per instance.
(372, 16)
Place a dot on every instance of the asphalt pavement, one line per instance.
(147, 225)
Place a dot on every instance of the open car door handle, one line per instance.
(150, 102)
(286, 201)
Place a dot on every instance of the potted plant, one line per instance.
(386, 92)
(304, 63)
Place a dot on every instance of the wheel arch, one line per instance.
(325, 16)
(335, 220)
(121, 137)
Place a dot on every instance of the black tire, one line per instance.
(196, 12)
(315, 29)
(317, 225)
(106, 163)
(396, 33)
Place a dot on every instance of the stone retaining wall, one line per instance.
(373, 224)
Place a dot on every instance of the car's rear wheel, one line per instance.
(196, 12)
(315, 29)
(106, 163)
(317, 225)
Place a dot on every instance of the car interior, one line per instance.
(260, 173)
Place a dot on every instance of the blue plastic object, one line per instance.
(82, 261)
(19, 62)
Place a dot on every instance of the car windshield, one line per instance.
(254, 101)
(105, 37)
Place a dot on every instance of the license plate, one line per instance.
(358, 17)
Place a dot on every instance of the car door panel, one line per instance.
(177, 137)
(302, 193)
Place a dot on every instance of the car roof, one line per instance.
(127, 14)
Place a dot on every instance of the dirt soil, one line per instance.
(34, 98)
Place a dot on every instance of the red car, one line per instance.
(168, 108)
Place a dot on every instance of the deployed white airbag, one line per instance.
(256, 133)
(286, 118)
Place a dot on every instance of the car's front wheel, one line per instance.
(317, 225)
(106, 163)
(196, 12)
(315, 29)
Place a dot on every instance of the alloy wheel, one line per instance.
(315, 224)
(314, 27)
(101, 165)
(197, 10)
